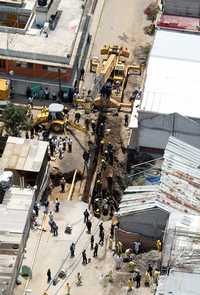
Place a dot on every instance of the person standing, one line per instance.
(46, 93)
(48, 276)
(64, 144)
(92, 242)
(36, 209)
(55, 229)
(89, 226)
(138, 280)
(86, 215)
(93, 126)
(101, 228)
(62, 184)
(84, 257)
(68, 287)
(130, 285)
(126, 120)
(57, 205)
(95, 250)
(82, 73)
(150, 270)
(79, 279)
(51, 221)
(69, 145)
(137, 246)
(101, 241)
(72, 250)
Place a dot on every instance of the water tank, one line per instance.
(42, 2)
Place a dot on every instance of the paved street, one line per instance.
(120, 24)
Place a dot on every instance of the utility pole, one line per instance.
(60, 85)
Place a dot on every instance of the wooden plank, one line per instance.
(72, 186)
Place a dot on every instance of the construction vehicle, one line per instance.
(111, 72)
(54, 118)
(4, 89)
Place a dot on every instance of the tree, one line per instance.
(151, 11)
(16, 120)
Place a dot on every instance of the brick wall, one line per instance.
(36, 71)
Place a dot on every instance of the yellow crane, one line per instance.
(112, 69)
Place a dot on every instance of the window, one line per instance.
(52, 69)
(20, 64)
(2, 63)
(64, 71)
(44, 67)
(29, 65)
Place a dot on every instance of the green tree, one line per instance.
(16, 119)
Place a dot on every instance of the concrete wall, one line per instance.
(182, 7)
(154, 130)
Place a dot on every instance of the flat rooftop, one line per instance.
(33, 44)
(172, 80)
(23, 154)
(179, 23)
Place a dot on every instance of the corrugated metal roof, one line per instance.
(14, 213)
(180, 176)
(179, 283)
(23, 154)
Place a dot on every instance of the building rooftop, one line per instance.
(181, 247)
(32, 43)
(179, 23)
(23, 154)
(179, 283)
(180, 176)
(14, 215)
(172, 80)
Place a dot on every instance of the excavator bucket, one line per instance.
(125, 52)
(105, 50)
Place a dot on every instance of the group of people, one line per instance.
(58, 145)
(53, 225)
(151, 276)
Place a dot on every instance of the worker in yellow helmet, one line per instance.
(130, 285)
(79, 279)
(131, 266)
(147, 279)
(158, 245)
(68, 287)
(156, 276)
(110, 246)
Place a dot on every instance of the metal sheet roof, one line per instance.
(14, 213)
(180, 176)
(179, 283)
(173, 79)
(23, 154)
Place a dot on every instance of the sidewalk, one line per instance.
(52, 251)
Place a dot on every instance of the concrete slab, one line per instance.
(59, 43)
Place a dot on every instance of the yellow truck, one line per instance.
(4, 89)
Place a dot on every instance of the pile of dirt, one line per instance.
(56, 174)
(114, 123)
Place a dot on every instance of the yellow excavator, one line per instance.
(112, 71)
(4, 89)
(54, 118)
